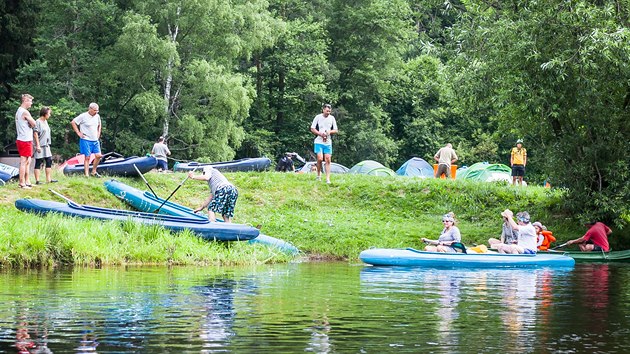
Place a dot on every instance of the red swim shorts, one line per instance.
(25, 148)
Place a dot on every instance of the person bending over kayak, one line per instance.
(223, 194)
(526, 235)
(595, 239)
(450, 235)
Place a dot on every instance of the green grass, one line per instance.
(334, 221)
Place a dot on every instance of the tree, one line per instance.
(553, 74)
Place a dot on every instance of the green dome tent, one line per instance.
(373, 168)
(486, 172)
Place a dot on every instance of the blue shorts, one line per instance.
(162, 165)
(224, 201)
(528, 251)
(89, 147)
(323, 149)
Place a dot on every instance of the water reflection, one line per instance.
(320, 339)
(218, 312)
(88, 342)
(517, 298)
(316, 308)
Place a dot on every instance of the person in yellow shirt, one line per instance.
(518, 161)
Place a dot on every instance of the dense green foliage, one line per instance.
(245, 78)
(335, 221)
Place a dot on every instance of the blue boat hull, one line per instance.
(257, 164)
(412, 257)
(9, 170)
(147, 202)
(211, 231)
(118, 167)
(4, 176)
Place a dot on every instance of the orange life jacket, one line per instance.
(548, 239)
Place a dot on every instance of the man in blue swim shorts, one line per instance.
(324, 125)
(87, 126)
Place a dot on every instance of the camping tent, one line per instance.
(334, 167)
(486, 172)
(373, 168)
(416, 167)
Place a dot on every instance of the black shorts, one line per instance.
(40, 162)
(596, 248)
(518, 170)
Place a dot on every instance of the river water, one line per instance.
(316, 308)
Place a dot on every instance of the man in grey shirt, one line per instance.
(160, 151)
(445, 157)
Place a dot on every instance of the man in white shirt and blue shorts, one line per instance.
(87, 126)
(324, 125)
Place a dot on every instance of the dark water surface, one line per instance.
(316, 307)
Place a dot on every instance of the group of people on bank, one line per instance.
(520, 236)
(34, 140)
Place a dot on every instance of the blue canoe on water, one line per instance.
(118, 166)
(211, 231)
(145, 201)
(412, 257)
(257, 164)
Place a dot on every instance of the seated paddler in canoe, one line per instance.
(544, 236)
(526, 242)
(509, 236)
(449, 239)
(594, 240)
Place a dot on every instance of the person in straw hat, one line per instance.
(527, 239)
(509, 236)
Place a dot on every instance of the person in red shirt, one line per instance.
(595, 239)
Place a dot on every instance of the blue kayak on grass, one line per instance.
(205, 229)
(416, 258)
(9, 170)
(257, 164)
(147, 202)
(117, 166)
(4, 176)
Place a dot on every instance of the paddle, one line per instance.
(176, 189)
(560, 246)
(144, 179)
(70, 201)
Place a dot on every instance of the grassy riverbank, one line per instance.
(334, 221)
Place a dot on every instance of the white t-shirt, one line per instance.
(24, 130)
(324, 125)
(527, 237)
(88, 125)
